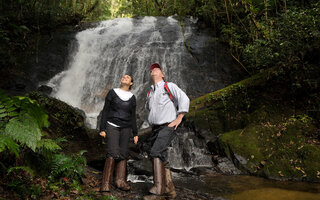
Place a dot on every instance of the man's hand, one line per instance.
(175, 123)
(103, 134)
(135, 139)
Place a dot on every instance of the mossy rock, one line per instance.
(278, 151)
(229, 108)
(259, 128)
(65, 121)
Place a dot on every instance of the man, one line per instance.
(165, 115)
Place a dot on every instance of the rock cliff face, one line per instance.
(38, 65)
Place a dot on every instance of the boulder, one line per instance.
(68, 122)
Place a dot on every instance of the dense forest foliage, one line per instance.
(261, 34)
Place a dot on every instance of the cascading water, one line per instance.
(114, 48)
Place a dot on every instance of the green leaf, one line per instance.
(69, 166)
(3, 115)
(9, 106)
(11, 109)
(4, 98)
(24, 168)
(24, 27)
(13, 114)
(36, 111)
(59, 140)
(7, 142)
(25, 130)
(82, 152)
(48, 144)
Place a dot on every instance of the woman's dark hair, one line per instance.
(131, 81)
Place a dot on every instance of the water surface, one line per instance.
(249, 187)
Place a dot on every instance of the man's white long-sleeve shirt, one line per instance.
(161, 108)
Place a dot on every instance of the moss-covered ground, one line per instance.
(281, 150)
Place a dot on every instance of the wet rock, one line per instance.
(45, 89)
(207, 135)
(51, 57)
(142, 167)
(204, 171)
(68, 122)
(214, 147)
(208, 73)
(15, 83)
(225, 166)
(188, 151)
(242, 160)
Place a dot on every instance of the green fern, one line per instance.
(48, 144)
(7, 142)
(67, 166)
(23, 168)
(35, 110)
(25, 130)
(60, 140)
(21, 123)
(5, 104)
(22, 119)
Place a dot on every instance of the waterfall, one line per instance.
(116, 47)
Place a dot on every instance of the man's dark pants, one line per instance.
(161, 138)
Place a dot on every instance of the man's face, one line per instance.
(156, 73)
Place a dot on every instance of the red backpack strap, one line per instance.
(149, 92)
(167, 88)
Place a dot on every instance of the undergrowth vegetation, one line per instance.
(31, 163)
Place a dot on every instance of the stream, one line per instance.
(240, 187)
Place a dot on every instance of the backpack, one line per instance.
(168, 90)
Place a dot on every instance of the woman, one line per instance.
(117, 122)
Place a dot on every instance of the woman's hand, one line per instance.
(103, 134)
(135, 139)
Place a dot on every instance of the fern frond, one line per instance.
(2, 126)
(24, 168)
(35, 110)
(25, 130)
(7, 142)
(82, 152)
(69, 166)
(59, 140)
(48, 144)
(3, 97)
